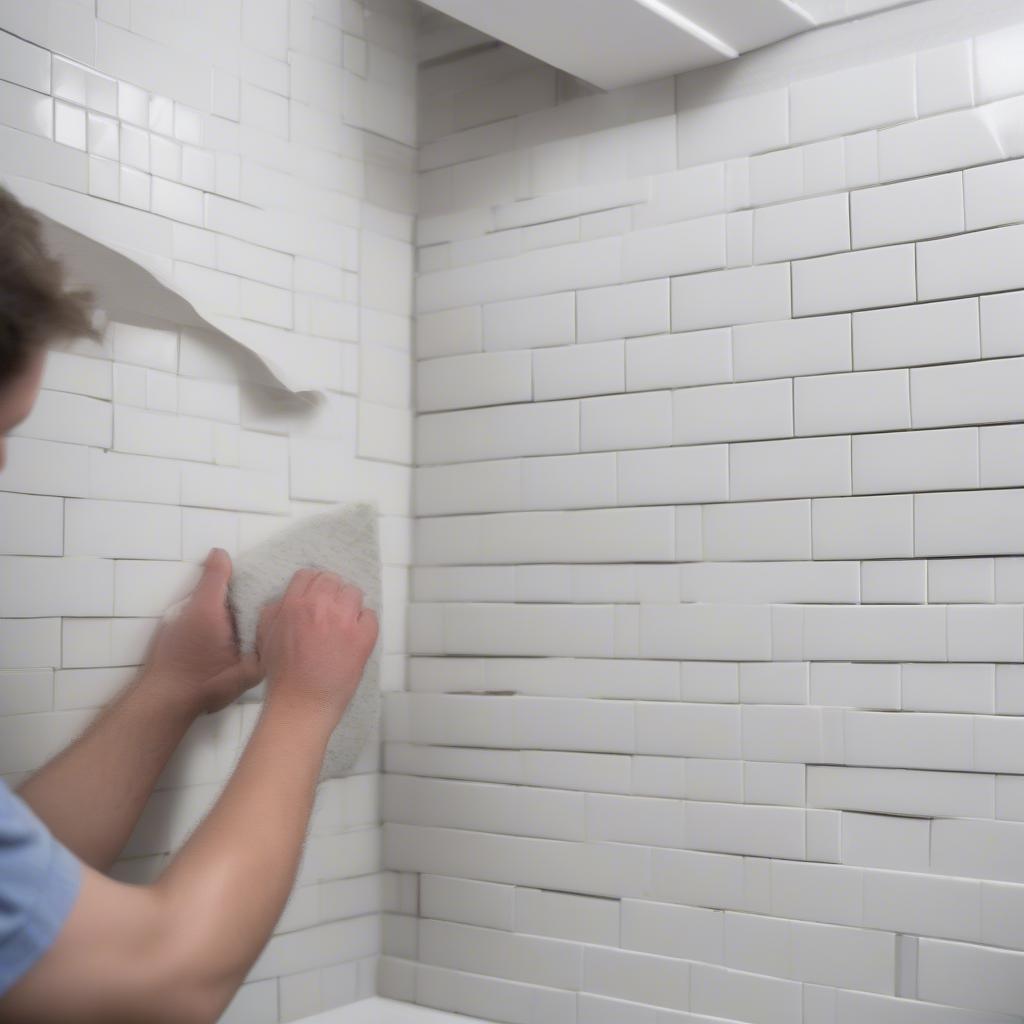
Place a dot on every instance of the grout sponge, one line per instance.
(343, 541)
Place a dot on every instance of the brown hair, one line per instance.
(36, 305)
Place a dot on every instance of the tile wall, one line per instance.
(262, 153)
(717, 623)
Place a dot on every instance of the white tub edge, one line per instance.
(387, 1011)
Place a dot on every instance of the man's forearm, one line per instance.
(231, 880)
(92, 794)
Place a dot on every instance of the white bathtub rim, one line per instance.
(388, 1011)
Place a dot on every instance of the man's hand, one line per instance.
(314, 643)
(195, 651)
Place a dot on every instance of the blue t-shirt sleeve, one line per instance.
(39, 882)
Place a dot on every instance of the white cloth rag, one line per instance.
(343, 541)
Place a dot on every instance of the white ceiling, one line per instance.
(611, 43)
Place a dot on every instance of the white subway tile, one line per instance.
(26, 692)
(739, 238)
(637, 977)
(940, 742)
(871, 840)
(921, 460)
(682, 248)
(962, 580)
(757, 531)
(709, 632)
(552, 428)
(776, 176)
(31, 525)
(792, 347)
(1000, 315)
(593, 535)
(770, 582)
(562, 267)
(26, 64)
(942, 143)
(945, 78)
(680, 195)
(732, 412)
(565, 916)
(470, 380)
(986, 633)
(860, 158)
(873, 527)
(856, 280)
(678, 360)
(725, 297)
(992, 194)
(575, 370)
(978, 392)
(622, 311)
(935, 332)
(980, 261)
(1000, 914)
(904, 212)
(141, 432)
(59, 416)
(797, 468)
(907, 902)
(686, 933)
(969, 523)
(449, 332)
(467, 902)
(626, 421)
(851, 685)
(824, 166)
(66, 371)
(112, 529)
(469, 487)
(733, 994)
(149, 588)
(845, 957)
(35, 587)
(569, 481)
(971, 976)
(673, 475)
(999, 452)
(852, 403)
(853, 99)
(890, 791)
(535, 322)
(739, 127)
(30, 643)
(145, 346)
(746, 829)
(874, 633)
(809, 227)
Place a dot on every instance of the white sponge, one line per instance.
(343, 541)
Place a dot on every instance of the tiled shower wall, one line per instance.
(718, 608)
(263, 152)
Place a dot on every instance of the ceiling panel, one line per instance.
(611, 43)
(743, 25)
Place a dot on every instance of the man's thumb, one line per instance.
(213, 584)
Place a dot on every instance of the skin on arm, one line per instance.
(176, 951)
(92, 794)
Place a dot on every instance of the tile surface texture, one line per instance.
(263, 153)
(717, 626)
(706, 688)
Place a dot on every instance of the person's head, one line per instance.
(37, 308)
